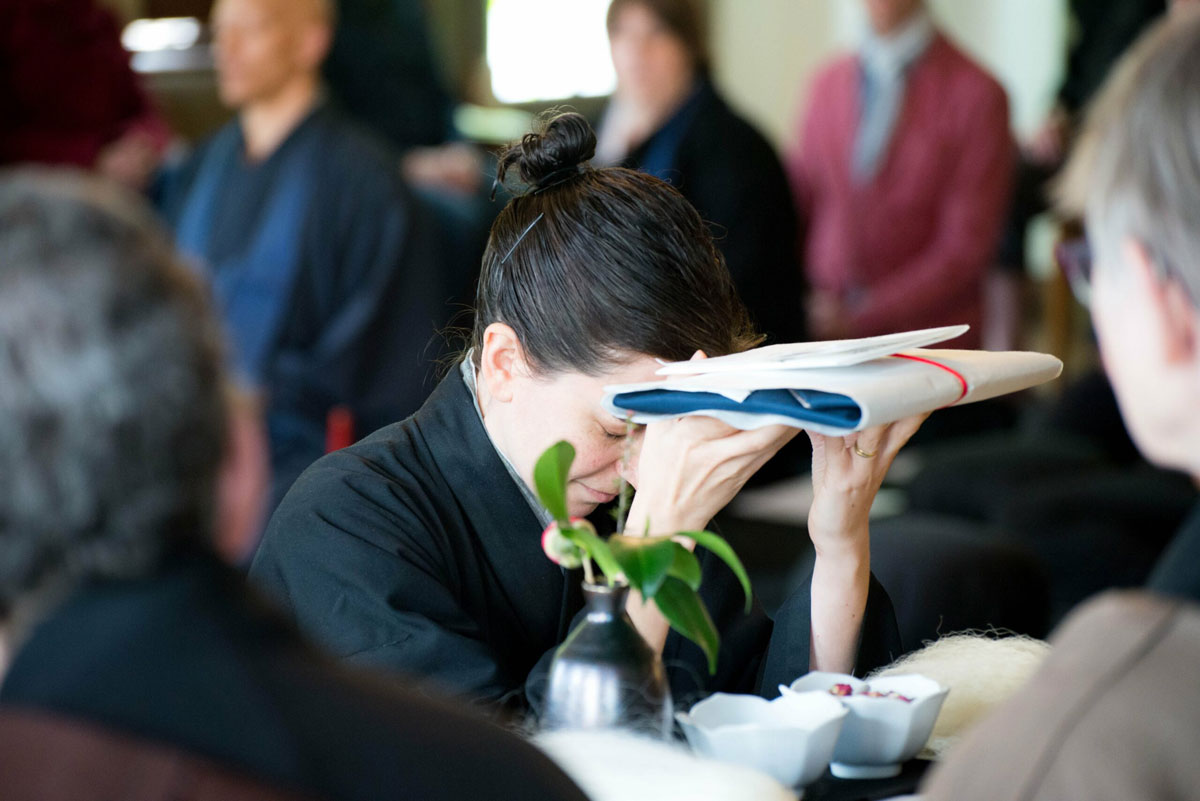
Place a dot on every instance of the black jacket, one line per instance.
(190, 658)
(415, 549)
(731, 174)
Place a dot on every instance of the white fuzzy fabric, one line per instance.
(616, 766)
(981, 670)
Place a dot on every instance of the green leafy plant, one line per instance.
(661, 568)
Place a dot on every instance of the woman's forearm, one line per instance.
(649, 622)
(646, 618)
(839, 600)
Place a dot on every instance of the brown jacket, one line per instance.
(48, 758)
(1113, 714)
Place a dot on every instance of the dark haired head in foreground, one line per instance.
(112, 409)
(117, 459)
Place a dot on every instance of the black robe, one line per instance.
(416, 550)
(190, 658)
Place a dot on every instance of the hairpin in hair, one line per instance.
(528, 228)
(557, 177)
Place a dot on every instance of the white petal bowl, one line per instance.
(880, 733)
(790, 738)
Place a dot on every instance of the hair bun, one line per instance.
(561, 141)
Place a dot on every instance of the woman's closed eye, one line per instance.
(618, 434)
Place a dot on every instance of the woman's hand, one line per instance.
(689, 468)
(846, 480)
(686, 471)
(847, 473)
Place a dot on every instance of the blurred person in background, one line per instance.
(70, 95)
(381, 71)
(666, 118)
(901, 170)
(321, 261)
(127, 471)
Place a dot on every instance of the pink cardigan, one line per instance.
(911, 248)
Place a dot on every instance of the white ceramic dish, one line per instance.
(880, 734)
(790, 738)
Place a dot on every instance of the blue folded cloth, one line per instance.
(811, 406)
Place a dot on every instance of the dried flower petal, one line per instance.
(844, 690)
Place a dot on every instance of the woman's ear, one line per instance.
(1174, 309)
(502, 362)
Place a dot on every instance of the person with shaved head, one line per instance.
(318, 255)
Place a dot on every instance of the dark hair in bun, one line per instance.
(590, 266)
(564, 142)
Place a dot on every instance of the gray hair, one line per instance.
(1135, 171)
(112, 407)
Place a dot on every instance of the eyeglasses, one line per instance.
(1074, 258)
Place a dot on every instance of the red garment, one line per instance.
(66, 87)
(910, 248)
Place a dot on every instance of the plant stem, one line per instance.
(588, 576)
(623, 493)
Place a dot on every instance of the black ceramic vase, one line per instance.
(604, 675)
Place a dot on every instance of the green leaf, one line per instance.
(550, 479)
(685, 566)
(645, 561)
(725, 553)
(682, 607)
(596, 548)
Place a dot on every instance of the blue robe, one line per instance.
(324, 270)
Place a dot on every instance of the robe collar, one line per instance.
(467, 368)
(506, 530)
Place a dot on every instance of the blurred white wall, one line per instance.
(766, 51)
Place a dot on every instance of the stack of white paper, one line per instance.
(833, 387)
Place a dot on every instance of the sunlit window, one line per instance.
(168, 33)
(548, 49)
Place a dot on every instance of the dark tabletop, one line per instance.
(829, 788)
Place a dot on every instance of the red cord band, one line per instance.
(950, 370)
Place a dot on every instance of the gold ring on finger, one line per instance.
(862, 453)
